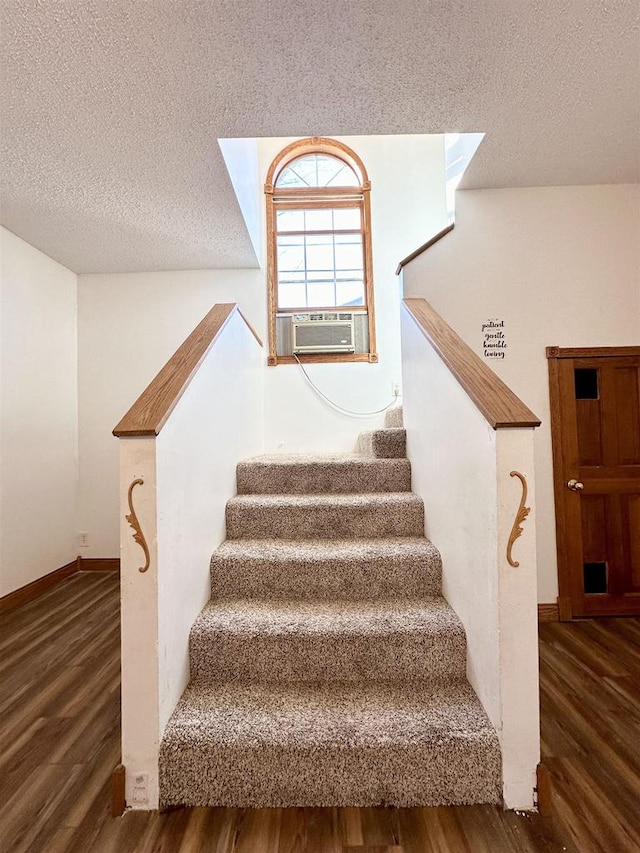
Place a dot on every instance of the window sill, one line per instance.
(324, 358)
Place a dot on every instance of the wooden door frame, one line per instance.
(565, 612)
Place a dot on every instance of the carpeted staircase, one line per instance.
(327, 669)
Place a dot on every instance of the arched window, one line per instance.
(319, 253)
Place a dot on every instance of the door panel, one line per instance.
(594, 524)
(589, 434)
(627, 415)
(595, 409)
(632, 525)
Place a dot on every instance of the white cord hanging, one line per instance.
(335, 406)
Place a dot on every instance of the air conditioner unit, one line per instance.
(328, 331)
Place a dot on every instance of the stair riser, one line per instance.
(392, 476)
(387, 657)
(393, 418)
(324, 580)
(263, 776)
(384, 444)
(324, 522)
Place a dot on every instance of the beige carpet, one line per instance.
(327, 669)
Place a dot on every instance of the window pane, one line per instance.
(335, 173)
(346, 177)
(290, 253)
(291, 295)
(346, 217)
(349, 257)
(317, 170)
(319, 239)
(349, 238)
(290, 259)
(291, 240)
(349, 252)
(321, 295)
(300, 173)
(350, 293)
(290, 220)
(319, 220)
(320, 253)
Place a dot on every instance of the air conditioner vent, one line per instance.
(285, 323)
(323, 336)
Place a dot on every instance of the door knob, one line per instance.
(575, 485)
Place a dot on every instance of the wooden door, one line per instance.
(595, 422)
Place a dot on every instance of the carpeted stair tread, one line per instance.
(326, 568)
(325, 516)
(327, 640)
(309, 474)
(405, 711)
(398, 615)
(390, 443)
(261, 745)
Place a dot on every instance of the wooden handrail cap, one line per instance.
(151, 410)
(500, 406)
(424, 247)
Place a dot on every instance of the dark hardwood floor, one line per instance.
(59, 742)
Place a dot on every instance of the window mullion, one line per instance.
(335, 287)
(306, 271)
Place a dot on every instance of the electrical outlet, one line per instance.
(139, 792)
(83, 539)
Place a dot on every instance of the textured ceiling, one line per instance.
(111, 108)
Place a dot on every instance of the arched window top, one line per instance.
(318, 171)
(316, 163)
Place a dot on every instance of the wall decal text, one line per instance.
(494, 343)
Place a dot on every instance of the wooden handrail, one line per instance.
(149, 413)
(424, 247)
(497, 402)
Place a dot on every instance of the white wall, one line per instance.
(460, 467)
(129, 326)
(408, 205)
(38, 414)
(189, 474)
(453, 455)
(241, 160)
(216, 423)
(561, 266)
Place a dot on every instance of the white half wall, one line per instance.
(461, 467)
(189, 474)
(129, 326)
(452, 450)
(38, 414)
(408, 205)
(560, 266)
(216, 423)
